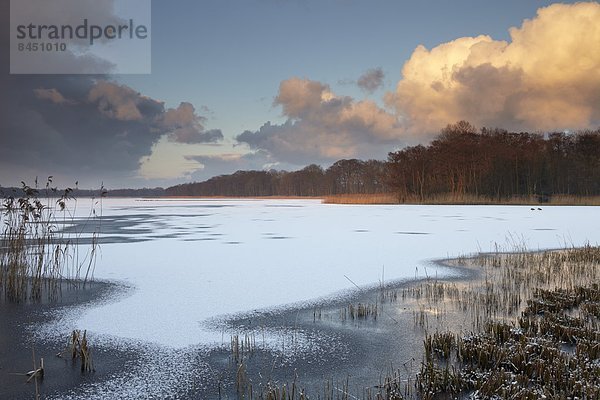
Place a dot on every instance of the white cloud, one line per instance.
(546, 78)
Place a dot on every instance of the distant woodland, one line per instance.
(343, 177)
(77, 193)
(462, 161)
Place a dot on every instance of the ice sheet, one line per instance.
(195, 260)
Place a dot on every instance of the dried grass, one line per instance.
(36, 255)
(467, 199)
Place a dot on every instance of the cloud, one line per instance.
(52, 95)
(41, 136)
(547, 77)
(191, 135)
(302, 97)
(81, 127)
(371, 80)
(187, 127)
(323, 127)
(184, 115)
(64, 12)
(116, 101)
(70, 12)
(123, 103)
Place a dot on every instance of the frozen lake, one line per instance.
(203, 270)
(190, 261)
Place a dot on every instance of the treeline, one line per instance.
(144, 192)
(461, 162)
(82, 193)
(497, 164)
(343, 177)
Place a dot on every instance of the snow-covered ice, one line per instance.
(190, 261)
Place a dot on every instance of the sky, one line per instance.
(262, 84)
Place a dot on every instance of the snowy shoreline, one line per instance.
(118, 362)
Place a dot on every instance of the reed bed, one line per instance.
(391, 387)
(376, 198)
(242, 347)
(526, 360)
(459, 199)
(359, 311)
(527, 327)
(36, 255)
(273, 390)
(533, 329)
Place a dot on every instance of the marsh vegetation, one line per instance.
(527, 327)
(37, 256)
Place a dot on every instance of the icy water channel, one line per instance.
(197, 270)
